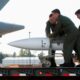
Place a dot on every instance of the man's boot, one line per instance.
(51, 58)
(70, 64)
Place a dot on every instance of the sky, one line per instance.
(33, 14)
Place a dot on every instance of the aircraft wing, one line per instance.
(8, 27)
(3, 3)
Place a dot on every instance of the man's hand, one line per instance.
(51, 35)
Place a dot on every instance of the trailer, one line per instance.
(12, 69)
(56, 71)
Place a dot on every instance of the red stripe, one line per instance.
(15, 74)
(65, 74)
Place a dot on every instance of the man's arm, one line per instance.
(57, 29)
(47, 30)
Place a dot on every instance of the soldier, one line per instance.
(51, 52)
(51, 27)
(77, 13)
(64, 26)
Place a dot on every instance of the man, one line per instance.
(51, 52)
(49, 22)
(77, 13)
(51, 27)
(63, 25)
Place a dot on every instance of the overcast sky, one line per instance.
(33, 14)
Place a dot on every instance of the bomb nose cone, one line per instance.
(32, 43)
(15, 43)
(19, 43)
